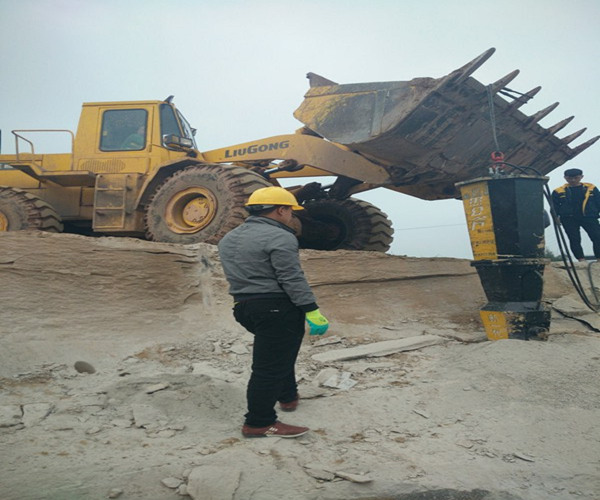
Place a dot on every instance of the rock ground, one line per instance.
(122, 375)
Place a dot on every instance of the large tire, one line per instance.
(200, 203)
(349, 224)
(21, 210)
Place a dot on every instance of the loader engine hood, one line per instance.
(430, 133)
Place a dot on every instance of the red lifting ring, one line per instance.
(497, 156)
(498, 160)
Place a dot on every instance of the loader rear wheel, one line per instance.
(20, 210)
(200, 204)
(349, 224)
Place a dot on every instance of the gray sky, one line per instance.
(237, 69)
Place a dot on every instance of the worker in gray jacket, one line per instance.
(272, 300)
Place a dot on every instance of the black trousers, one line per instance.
(572, 227)
(278, 328)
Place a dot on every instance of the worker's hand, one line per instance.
(317, 322)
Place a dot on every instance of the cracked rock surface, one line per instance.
(123, 374)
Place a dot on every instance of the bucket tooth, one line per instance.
(462, 73)
(560, 125)
(585, 145)
(315, 80)
(525, 98)
(542, 113)
(503, 82)
(573, 136)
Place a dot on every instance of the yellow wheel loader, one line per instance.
(134, 167)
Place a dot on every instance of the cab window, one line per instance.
(189, 131)
(124, 130)
(168, 122)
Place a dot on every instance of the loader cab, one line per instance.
(127, 129)
(134, 136)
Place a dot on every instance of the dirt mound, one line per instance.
(153, 409)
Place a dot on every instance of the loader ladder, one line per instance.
(114, 199)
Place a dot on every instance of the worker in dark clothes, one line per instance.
(577, 205)
(272, 300)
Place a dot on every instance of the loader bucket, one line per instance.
(430, 133)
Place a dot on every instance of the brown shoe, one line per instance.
(278, 429)
(291, 405)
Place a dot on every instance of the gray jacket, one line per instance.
(260, 258)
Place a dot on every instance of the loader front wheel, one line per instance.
(200, 203)
(349, 224)
(21, 210)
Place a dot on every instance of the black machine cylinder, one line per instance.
(511, 280)
(506, 227)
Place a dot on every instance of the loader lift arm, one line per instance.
(316, 156)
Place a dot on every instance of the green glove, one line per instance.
(317, 322)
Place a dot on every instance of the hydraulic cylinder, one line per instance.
(506, 227)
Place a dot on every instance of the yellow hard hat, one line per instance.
(273, 196)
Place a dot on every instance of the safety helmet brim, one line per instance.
(260, 208)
